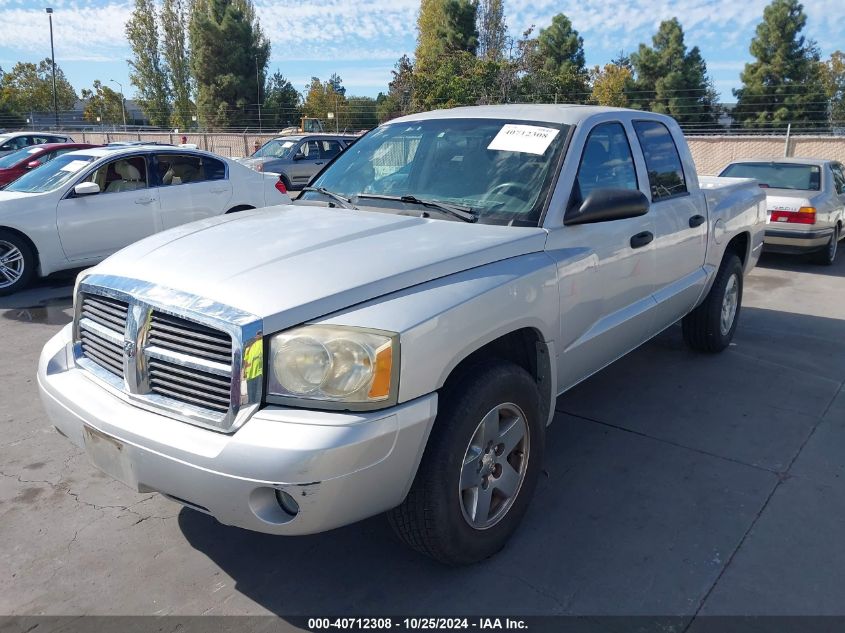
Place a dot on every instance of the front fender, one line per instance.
(442, 322)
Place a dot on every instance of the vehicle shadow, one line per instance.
(804, 263)
(658, 481)
(46, 301)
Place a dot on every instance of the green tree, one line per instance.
(553, 65)
(361, 114)
(785, 82)
(102, 102)
(147, 72)
(229, 55)
(176, 53)
(444, 27)
(28, 87)
(671, 79)
(609, 85)
(281, 103)
(833, 75)
(400, 91)
(324, 97)
(492, 30)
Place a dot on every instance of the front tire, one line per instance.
(17, 263)
(479, 469)
(827, 256)
(711, 326)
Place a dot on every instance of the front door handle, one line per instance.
(696, 220)
(144, 200)
(320, 163)
(641, 239)
(223, 190)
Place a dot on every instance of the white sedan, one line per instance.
(83, 206)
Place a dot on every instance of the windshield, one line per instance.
(10, 160)
(275, 149)
(500, 169)
(51, 175)
(778, 175)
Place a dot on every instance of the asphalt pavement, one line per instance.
(676, 484)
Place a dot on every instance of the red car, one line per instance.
(17, 163)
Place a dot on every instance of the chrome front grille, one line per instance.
(102, 325)
(188, 337)
(131, 336)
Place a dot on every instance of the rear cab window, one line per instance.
(665, 172)
(181, 169)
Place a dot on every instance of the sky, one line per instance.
(362, 39)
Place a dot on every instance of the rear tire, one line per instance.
(17, 263)
(479, 469)
(827, 255)
(711, 326)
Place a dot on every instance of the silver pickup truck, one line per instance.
(395, 341)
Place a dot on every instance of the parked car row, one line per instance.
(393, 341)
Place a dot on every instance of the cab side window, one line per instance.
(665, 172)
(607, 162)
(123, 174)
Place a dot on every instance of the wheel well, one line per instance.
(524, 347)
(25, 238)
(739, 246)
(240, 207)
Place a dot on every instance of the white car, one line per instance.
(83, 206)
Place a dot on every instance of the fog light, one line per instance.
(287, 503)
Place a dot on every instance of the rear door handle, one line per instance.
(223, 190)
(144, 200)
(320, 163)
(696, 220)
(641, 239)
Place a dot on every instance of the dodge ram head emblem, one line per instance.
(129, 348)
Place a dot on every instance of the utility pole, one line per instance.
(53, 60)
(258, 92)
(122, 103)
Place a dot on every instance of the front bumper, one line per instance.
(794, 241)
(338, 467)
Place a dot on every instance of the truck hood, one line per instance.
(289, 264)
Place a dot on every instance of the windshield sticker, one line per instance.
(75, 165)
(529, 139)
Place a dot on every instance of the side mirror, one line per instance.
(86, 189)
(33, 164)
(603, 205)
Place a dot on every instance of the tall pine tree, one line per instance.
(175, 50)
(554, 65)
(147, 69)
(492, 31)
(671, 79)
(784, 84)
(229, 55)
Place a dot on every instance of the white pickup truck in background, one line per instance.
(395, 340)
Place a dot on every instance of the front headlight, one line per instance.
(335, 365)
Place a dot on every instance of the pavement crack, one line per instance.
(542, 592)
(669, 442)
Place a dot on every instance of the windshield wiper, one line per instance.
(456, 211)
(346, 203)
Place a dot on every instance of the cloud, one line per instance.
(83, 31)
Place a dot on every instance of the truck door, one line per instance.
(605, 269)
(679, 213)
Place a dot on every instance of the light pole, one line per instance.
(122, 103)
(53, 60)
(258, 92)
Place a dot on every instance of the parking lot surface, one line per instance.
(675, 483)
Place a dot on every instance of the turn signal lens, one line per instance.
(280, 186)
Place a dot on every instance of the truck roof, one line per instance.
(566, 114)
